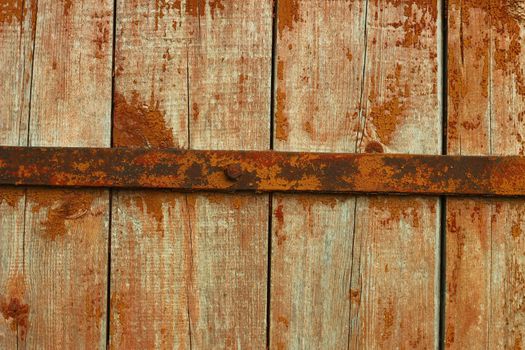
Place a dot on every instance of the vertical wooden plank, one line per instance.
(16, 45)
(65, 238)
(229, 102)
(190, 270)
(17, 20)
(485, 263)
(149, 269)
(353, 77)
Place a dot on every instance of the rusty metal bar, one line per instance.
(262, 171)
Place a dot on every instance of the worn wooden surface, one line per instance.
(190, 270)
(353, 77)
(485, 265)
(66, 232)
(56, 256)
(16, 44)
(149, 242)
(394, 286)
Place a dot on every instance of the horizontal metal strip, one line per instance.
(262, 171)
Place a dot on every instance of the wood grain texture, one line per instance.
(64, 233)
(150, 242)
(344, 86)
(485, 264)
(16, 44)
(190, 270)
(229, 108)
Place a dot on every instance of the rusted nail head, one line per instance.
(233, 171)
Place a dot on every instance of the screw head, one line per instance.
(233, 171)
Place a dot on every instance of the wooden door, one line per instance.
(148, 269)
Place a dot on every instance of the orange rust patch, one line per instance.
(407, 209)
(67, 7)
(348, 54)
(280, 223)
(101, 39)
(279, 215)
(238, 202)
(288, 14)
(516, 230)
(242, 79)
(61, 205)
(419, 18)
(151, 203)
(139, 125)
(518, 342)
(162, 7)
(11, 196)
(388, 321)
(17, 313)
(195, 110)
(450, 336)
(374, 147)
(195, 7)
(214, 6)
(282, 125)
(11, 10)
(355, 296)
(283, 320)
(386, 117)
(307, 126)
(507, 19)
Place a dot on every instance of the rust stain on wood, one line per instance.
(61, 206)
(215, 5)
(151, 203)
(11, 196)
(11, 11)
(282, 125)
(16, 312)
(13, 307)
(288, 14)
(102, 34)
(68, 4)
(374, 147)
(407, 211)
(420, 17)
(195, 7)
(139, 124)
(386, 118)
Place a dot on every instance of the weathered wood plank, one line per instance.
(16, 44)
(485, 263)
(65, 237)
(395, 284)
(229, 90)
(149, 269)
(344, 86)
(191, 74)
